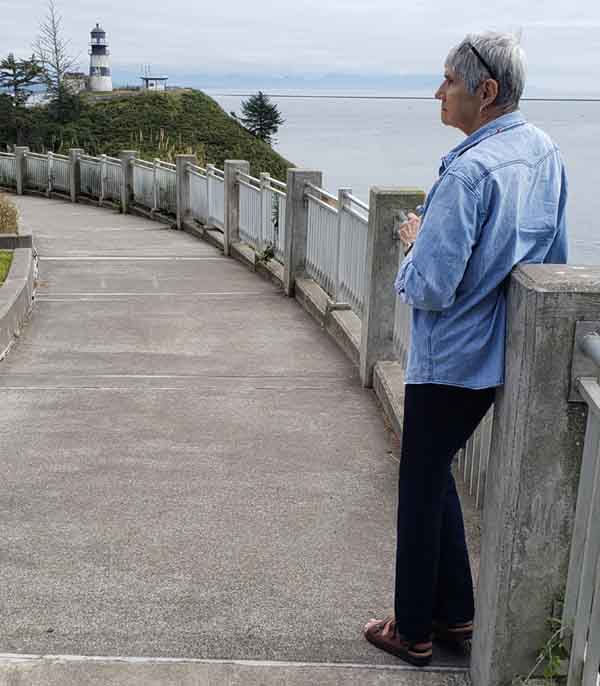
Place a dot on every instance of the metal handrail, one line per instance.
(241, 176)
(281, 184)
(196, 169)
(37, 155)
(251, 186)
(356, 201)
(8, 154)
(320, 191)
(321, 203)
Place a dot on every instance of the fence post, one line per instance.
(127, 158)
(533, 470)
(342, 193)
(74, 173)
(296, 224)
(232, 202)
(21, 167)
(377, 337)
(183, 186)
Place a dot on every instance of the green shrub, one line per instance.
(9, 215)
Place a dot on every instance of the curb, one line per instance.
(13, 241)
(16, 296)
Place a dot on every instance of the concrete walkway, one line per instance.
(191, 468)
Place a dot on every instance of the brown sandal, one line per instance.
(382, 634)
(455, 636)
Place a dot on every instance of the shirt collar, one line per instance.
(502, 123)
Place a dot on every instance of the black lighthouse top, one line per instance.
(98, 41)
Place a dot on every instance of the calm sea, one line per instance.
(365, 141)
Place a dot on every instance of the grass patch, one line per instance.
(5, 260)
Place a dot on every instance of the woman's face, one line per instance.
(459, 108)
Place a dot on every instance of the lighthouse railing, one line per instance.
(8, 170)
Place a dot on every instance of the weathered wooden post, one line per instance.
(21, 167)
(232, 203)
(296, 224)
(74, 173)
(377, 338)
(533, 471)
(127, 158)
(183, 186)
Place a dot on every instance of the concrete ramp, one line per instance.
(192, 471)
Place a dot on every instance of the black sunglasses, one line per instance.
(480, 58)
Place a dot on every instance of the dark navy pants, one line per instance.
(433, 574)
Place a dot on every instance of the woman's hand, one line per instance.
(409, 229)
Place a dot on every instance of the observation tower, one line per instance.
(100, 78)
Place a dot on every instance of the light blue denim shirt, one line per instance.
(500, 200)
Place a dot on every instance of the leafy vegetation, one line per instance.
(156, 124)
(5, 260)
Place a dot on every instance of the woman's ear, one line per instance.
(489, 93)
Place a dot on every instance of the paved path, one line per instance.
(191, 468)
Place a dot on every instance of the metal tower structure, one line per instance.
(100, 77)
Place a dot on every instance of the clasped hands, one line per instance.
(408, 231)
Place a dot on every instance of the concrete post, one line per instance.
(74, 173)
(385, 207)
(183, 187)
(21, 167)
(232, 203)
(533, 471)
(127, 157)
(296, 224)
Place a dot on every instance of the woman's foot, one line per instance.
(382, 634)
(456, 636)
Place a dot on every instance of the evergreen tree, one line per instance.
(261, 117)
(18, 76)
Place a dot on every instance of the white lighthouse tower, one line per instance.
(100, 77)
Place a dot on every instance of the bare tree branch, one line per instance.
(52, 50)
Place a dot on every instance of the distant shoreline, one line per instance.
(380, 97)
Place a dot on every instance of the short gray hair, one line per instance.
(503, 55)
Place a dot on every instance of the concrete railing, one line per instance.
(339, 258)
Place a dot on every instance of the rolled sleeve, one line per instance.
(429, 277)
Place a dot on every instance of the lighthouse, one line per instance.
(100, 78)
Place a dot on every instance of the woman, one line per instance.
(500, 200)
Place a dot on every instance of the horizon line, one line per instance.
(392, 97)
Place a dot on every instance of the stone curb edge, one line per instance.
(16, 297)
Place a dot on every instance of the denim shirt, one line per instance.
(500, 200)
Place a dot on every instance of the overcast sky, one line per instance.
(561, 37)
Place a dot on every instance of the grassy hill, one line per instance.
(157, 124)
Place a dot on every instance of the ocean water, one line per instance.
(367, 141)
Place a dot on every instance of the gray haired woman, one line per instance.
(500, 200)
